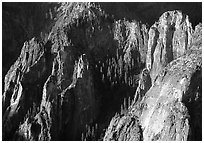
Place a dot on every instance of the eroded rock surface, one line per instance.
(169, 38)
(69, 86)
(124, 128)
(169, 108)
(23, 85)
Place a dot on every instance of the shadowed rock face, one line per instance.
(21, 22)
(92, 65)
(23, 85)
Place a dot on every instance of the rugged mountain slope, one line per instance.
(22, 21)
(70, 85)
(172, 108)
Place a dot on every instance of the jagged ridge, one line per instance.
(89, 62)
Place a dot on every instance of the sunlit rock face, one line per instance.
(173, 99)
(169, 38)
(96, 74)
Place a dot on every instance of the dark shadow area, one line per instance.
(21, 21)
(194, 105)
(149, 12)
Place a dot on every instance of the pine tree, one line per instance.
(124, 103)
(125, 77)
(121, 109)
(129, 102)
(82, 137)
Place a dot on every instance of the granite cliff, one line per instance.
(96, 76)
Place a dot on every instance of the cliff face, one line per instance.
(21, 22)
(172, 107)
(168, 40)
(70, 85)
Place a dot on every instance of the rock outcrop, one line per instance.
(169, 38)
(125, 128)
(21, 22)
(69, 85)
(167, 110)
(23, 85)
(73, 73)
